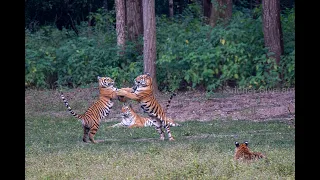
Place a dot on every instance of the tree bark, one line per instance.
(225, 12)
(213, 14)
(134, 19)
(120, 24)
(149, 41)
(206, 5)
(272, 30)
(219, 9)
(170, 8)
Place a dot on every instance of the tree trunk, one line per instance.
(149, 41)
(225, 11)
(134, 19)
(214, 13)
(272, 28)
(206, 4)
(120, 23)
(170, 8)
(219, 9)
(180, 6)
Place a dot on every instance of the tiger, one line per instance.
(242, 152)
(131, 119)
(99, 109)
(142, 91)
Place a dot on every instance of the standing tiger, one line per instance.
(131, 119)
(143, 93)
(98, 110)
(242, 152)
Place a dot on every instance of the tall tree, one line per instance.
(217, 9)
(134, 19)
(149, 40)
(120, 23)
(272, 30)
(171, 8)
(226, 10)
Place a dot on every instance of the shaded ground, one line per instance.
(191, 105)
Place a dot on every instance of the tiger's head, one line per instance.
(242, 145)
(106, 82)
(243, 152)
(127, 114)
(142, 81)
(106, 88)
(126, 110)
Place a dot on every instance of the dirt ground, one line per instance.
(244, 106)
(191, 105)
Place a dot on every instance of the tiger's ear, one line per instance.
(246, 142)
(237, 144)
(99, 77)
(130, 105)
(147, 74)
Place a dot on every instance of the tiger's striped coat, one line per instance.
(243, 153)
(98, 110)
(143, 93)
(131, 119)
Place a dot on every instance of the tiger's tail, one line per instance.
(67, 104)
(258, 155)
(169, 101)
(172, 124)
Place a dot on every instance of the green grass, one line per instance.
(201, 150)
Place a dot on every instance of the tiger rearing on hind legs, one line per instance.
(143, 93)
(98, 110)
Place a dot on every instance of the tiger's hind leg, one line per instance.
(85, 134)
(158, 126)
(167, 127)
(93, 132)
(160, 131)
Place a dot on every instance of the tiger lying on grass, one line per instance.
(131, 119)
(242, 152)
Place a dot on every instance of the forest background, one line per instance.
(200, 44)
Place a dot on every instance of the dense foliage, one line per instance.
(190, 54)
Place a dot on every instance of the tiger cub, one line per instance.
(143, 93)
(98, 110)
(242, 152)
(131, 119)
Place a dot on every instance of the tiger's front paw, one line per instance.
(121, 92)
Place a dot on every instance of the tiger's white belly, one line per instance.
(127, 121)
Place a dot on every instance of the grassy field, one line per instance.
(202, 150)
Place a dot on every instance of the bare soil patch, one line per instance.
(185, 106)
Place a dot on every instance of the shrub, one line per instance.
(207, 58)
